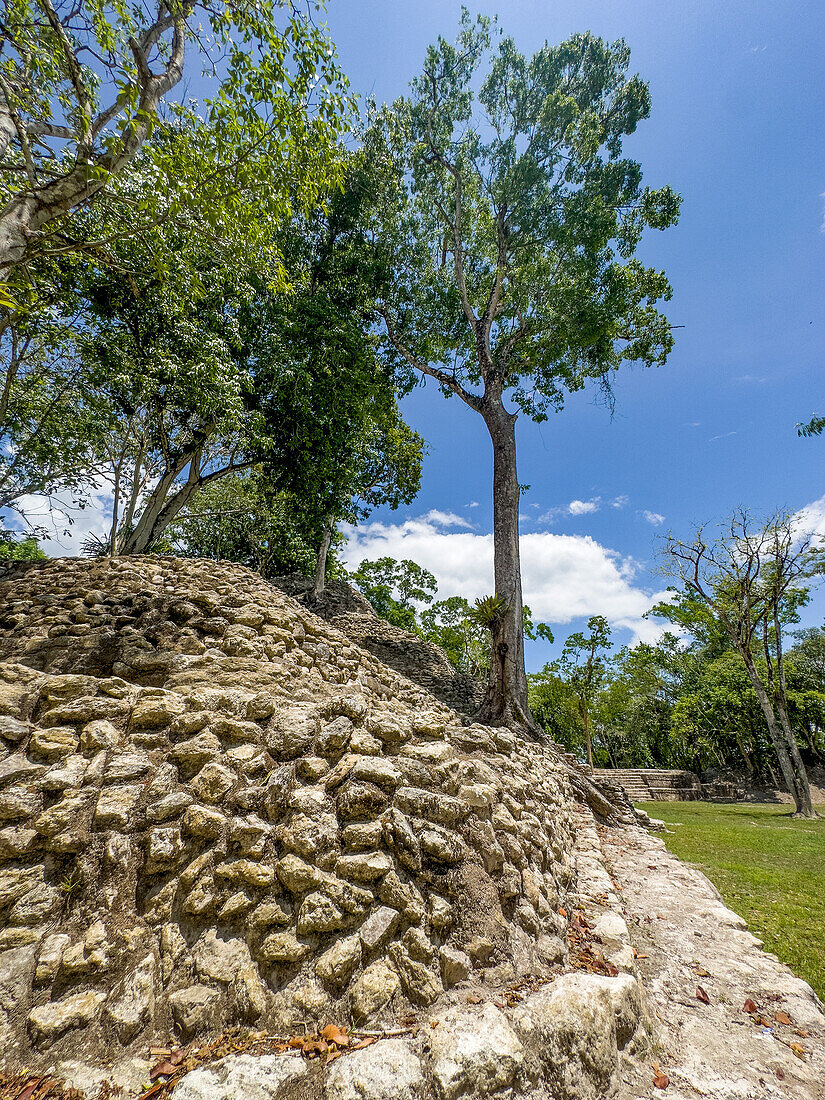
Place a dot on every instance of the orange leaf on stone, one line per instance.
(749, 1006)
(782, 1018)
(660, 1080)
(334, 1034)
(798, 1050)
(702, 996)
(363, 1043)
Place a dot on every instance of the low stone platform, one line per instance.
(654, 784)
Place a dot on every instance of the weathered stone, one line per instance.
(36, 906)
(133, 1003)
(474, 1055)
(357, 800)
(372, 991)
(115, 806)
(248, 993)
(283, 947)
(164, 849)
(218, 959)
(309, 836)
(197, 750)
(379, 770)
(420, 983)
(17, 769)
(378, 928)
(171, 805)
(50, 957)
(17, 803)
(194, 1008)
(455, 966)
(12, 729)
(430, 805)
(334, 738)
(246, 871)
(398, 835)
(17, 841)
(47, 1022)
(155, 711)
(275, 800)
(124, 766)
(442, 845)
(439, 912)
(267, 914)
(236, 906)
(67, 820)
(244, 1077)
(203, 821)
(99, 734)
(53, 743)
(386, 1071)
(69, 773)
(297, 876)
(337, 965)
(213, 782)
(481, 950)
(364, 866)
(402, 895)
(319, 914)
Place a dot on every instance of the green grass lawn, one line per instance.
(767, 866)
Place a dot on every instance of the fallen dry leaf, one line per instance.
(362, 1043)
(473, 999)
(798, 1050)
(801, 1031)
(702, 996)
(782, 1018)
(162, 1069)
(749, 1006)
(660, 1080)
(334, 1034)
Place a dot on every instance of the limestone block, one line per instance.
(378, 928)
(36, 906)
(196, 751)
(99, 734)
(17, 841)
(372, 991)
(334, 737)
(455, 966)
(249, 835)
(442, 845)
(17, 803)
(380, 770)
(474, 1055)
(213, 782)
(124, 766)
(283, 947)
(18, 769)
(115, 806)
(337, 965)
(217, 959)
(267, 914)
(155, 711)
(50, 957)
(419, 982)
(308, 836)
(402, 895)
(65, 816)
(244, 1077)
(364, 866)
(297, 876)
(399, 837)
(12, 729)
(54, 743)
(194, 1008)
(203, 821)
(362, 836)
(69, 773)
(171, 805)
(439, 912)
(246, 871)
(386, 1071)
(133, 1002)
(319, 914)
(164, 849)
(356, 800)
(430, 805)
(47, 1022)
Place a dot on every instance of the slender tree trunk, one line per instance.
(586, 717)
(506, 697)
(321, 564)
(803, 804)
(785, 722)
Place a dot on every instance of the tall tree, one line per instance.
(752, 577)
(511, 234)
(582, 664)
(83, 84)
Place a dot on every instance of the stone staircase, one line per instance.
(654, 784)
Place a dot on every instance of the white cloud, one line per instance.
(473, 504)
(810, 520)
(583, 507)
(564, 576)
(66, 526)
(620, 501)
(445, 519)
(654, 518)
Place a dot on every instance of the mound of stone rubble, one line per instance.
(218, 812)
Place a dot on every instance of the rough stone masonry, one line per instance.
(217, 811)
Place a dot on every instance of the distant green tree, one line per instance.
(15, 547)
(394, 588)
(449, 624)
(583, 666)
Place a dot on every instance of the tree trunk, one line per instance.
(803, 804)
(505, 701)
(321, 564)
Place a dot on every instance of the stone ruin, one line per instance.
(216, 811)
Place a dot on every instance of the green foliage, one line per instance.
(240, 518)
(394, 588)
(815, 426)
(513, 210)
(452, 625)
(14, 547)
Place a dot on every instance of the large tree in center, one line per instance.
(512, 232)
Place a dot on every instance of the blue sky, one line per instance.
(737, 128)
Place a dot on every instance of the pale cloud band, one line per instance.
(565, 577)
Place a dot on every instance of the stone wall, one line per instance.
(215, 809)
(420, 661)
